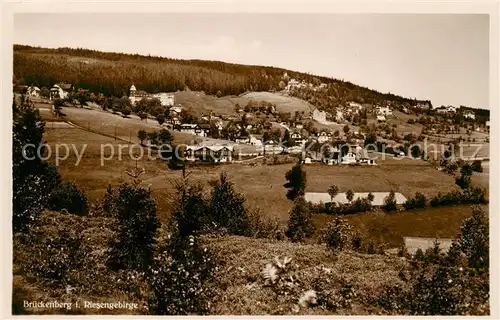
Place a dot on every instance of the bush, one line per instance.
(467, 196)
(136, 224)
(190, 210)
(418, 202)
(338, 235)
(300, 224)
(178, 278)
(390, 202)
(474, 239)
(69, 197)
(56, 257)
(109, 202)
(263, 226)
(477, 166)
(227, 208)
(32, 178)
(296, 182)
(356, 206)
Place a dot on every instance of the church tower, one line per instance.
(132, 94)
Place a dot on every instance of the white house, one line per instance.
(34, 91)
(174, 111)
(487, 123)
(192, 128)
(451, 109)
(166, 99)
(349, 158)
(323, 137)
(355, 105)
(381, 118)
(469, 115)
(60, 91)
(242, 140)
(319, 116)
(385, 111)
(339, 116)
(255, 142)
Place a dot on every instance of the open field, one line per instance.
(202, 103)
(113, 125)
(390, 228)
(283, 103)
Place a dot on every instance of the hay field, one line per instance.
(283, 103)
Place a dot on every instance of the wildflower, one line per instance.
(308, 298)
(270, 272)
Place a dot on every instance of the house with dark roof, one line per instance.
(205, 153)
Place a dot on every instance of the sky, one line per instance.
(440, 57)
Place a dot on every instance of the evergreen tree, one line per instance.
(136, 225)
(300, 224)
(296, 182)
(227, 207)
(33, 179)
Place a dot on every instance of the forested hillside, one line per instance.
(113, 73)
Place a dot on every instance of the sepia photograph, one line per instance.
(250, 163)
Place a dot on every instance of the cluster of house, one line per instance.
(353, 156)
(58, 91)
(166, 99)
(468, 114)
(341, 113)
(295, 84)
(209, 153)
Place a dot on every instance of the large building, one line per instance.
(319, 116)
(166, 99)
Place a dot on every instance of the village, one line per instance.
(157, 183)
(257, 128)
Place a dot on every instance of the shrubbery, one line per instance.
(390, 202)
(136, 224)
(178, 276)
(227, 208)
(477, 166)
(300, 224)
(357, 206)
(474, 195)
(69, 197)
(33, 179)
(440, 283)
(338, 235)
(418, 202)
